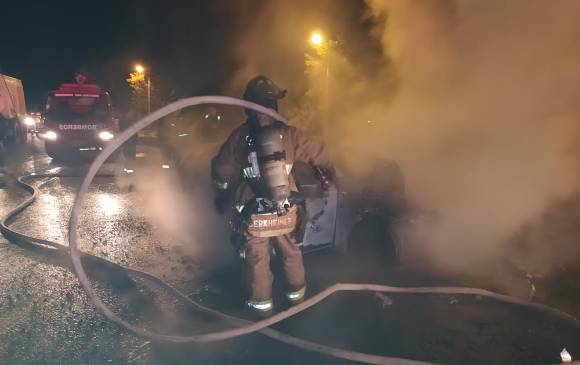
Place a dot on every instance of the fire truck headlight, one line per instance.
(50, 135)
(106, 135)
(29, 121)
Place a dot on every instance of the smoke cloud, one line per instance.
(477, 101)
(182, 216)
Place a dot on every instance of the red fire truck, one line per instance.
(78, 120)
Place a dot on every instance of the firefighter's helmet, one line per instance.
(261, 90)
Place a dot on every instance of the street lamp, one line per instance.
(322, 46)
(140, 69)
(316, 39)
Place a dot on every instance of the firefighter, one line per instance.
(252, 170)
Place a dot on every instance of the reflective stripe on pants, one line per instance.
(296, 295)
(262, 306)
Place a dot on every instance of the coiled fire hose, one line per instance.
(243, 327)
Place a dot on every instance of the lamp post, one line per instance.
(322, 46)
(140, 69)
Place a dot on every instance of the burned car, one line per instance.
(330, 214)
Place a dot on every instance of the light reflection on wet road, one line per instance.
(44, 314)
(45, 317)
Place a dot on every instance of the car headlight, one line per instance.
(106, 135)
(29, 121)
(50, 135)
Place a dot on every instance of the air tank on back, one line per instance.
(272, 162)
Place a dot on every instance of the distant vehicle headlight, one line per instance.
(106, 135)
(50, 135)
(29, 121)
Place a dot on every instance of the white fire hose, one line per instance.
(243, 327)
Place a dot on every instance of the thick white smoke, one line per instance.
(485, 117)
(478, 102)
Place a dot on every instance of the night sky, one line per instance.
(44, 43)
(188, 44)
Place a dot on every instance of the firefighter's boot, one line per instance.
(260, 309)
(296, 296)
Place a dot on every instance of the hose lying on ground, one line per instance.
(245, 327)
(61, 250)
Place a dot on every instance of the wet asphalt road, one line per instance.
(45, 317)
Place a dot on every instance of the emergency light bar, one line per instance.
(85, 95)
(87, 90)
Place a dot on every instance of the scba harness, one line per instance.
(271, 213)
(272, 224)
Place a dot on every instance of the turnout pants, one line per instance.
(257, 267)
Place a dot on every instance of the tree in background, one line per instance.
(138, 86)
(311, 112)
